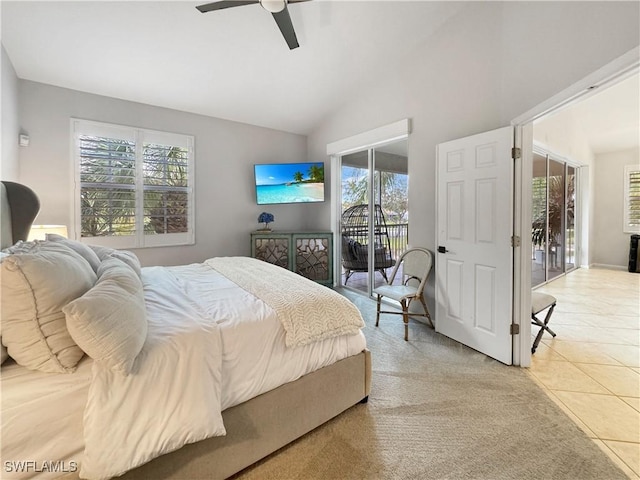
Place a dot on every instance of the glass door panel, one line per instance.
(392, 195)
(570, 235)
(354, 255)
(555, 219)
(539, 220)
(553, 235)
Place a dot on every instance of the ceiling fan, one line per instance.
(278, 9)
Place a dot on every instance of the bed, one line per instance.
(217, 393)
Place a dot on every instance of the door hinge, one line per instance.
(515, 153)
(516, 241)
(515, 329)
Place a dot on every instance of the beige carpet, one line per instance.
(439, 410)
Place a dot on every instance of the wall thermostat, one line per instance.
(23, 140)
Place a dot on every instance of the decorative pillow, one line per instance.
(36, 284)
(127, 257)
(80, 248)
(109, 321)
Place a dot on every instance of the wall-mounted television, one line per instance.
(289, 182)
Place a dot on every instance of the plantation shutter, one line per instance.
(107, 165)
(632, 199)
(166, 186)
(133, 186)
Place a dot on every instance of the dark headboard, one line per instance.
(19, 206)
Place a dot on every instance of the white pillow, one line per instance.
(36, 284)
(126, 256)
(80, 248)
(109, 321)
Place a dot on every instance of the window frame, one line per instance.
(626, 227)
(139, 239)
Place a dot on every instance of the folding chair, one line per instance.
(539, 303)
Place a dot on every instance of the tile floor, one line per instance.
(591, 369)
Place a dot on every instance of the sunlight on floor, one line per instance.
(591, 369)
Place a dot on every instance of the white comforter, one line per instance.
(211, 345)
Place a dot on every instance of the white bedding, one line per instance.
(253, 360)
(42, 419)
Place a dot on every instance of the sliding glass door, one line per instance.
(553, 218)
(375, 218)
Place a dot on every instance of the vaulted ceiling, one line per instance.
(609, 119)
(234, 63)
(231, 63)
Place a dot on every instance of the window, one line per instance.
(632, 199)
(133, 187)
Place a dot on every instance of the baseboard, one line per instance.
(609, 267)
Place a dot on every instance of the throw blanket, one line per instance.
(309, 312)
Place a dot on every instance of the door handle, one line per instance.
(442, 250)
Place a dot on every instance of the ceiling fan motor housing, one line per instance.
(273, 6)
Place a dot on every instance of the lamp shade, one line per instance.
(39, 232)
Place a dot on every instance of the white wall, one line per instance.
(487, 65)
(9, 167)
(610, 243)
(448, 89)
(484, 67)
(549, 46)
(226, 151)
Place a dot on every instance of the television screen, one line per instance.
(289, 182)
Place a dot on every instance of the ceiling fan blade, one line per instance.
(208, 7)
(286, 27)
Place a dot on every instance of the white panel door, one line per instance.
(474, 227)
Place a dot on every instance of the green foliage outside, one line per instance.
(108, 187)
(554, 208)
(392, 189)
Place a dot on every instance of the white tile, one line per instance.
(628, 355)
(633, 401)
(574, 333)
(585, 352)
(565, 376)
(617, 460)
(628, 452)
(628, 336)
(544, 352)
(619, 380)
(606, 415)
(570, 414)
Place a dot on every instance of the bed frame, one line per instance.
(266, 423)
(256, 428)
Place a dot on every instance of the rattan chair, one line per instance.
(415, 265)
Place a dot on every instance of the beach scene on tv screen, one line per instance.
(290, 183)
